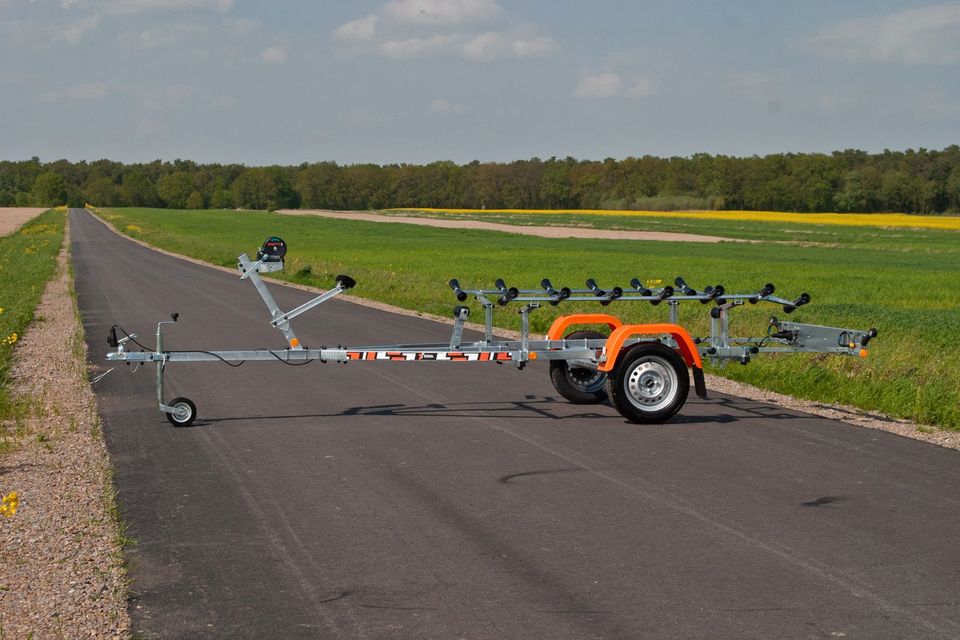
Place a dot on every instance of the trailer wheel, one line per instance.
(579, 385)
(184, 412)
(649, 384)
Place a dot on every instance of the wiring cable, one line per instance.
(210, 353)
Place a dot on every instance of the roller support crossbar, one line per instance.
(641, 368)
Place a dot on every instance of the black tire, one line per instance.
(185, 412)
(649, 383)
(579, 385)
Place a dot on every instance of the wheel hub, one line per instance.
(587, 379)
(651, 384)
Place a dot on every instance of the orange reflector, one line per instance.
(533, 356)
(294, 343)
(864, 353)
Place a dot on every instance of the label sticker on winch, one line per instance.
(272, 250)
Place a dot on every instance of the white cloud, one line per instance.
(409, 28)
(360, 29)
(641, 88)
(37, 34)
(610, 84)
(241, 26)
(928, 35)
(74, 32)
(532, 47)
(485, 46)
(441, 12)
(445, 106)
(166, 35)
(144, 6)
(751, 83)
(415, 46)
(603, 85)
(273, 55)
(165, 98)
(76, 93)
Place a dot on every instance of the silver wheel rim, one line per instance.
(181, 412)
(652, 384)
(590, 385)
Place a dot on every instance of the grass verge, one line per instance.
(898, 280)
(28, 259)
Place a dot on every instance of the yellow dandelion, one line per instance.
(12, 338)
(9, 504)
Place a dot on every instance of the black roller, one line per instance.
(871, 334)
(684, 288)
(665, 293)
(455, 285)
(767, 290)
(713, 293)
(346, 282)
(508, 295)
(615, 293)
(548, 287)
(597, 291)
(642, 290)
(803, 299)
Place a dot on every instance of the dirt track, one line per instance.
(543, 232)
(11, 218)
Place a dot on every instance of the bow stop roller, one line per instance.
(644, 369)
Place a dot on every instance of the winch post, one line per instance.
(249, 271)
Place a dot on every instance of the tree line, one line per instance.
(921, 181)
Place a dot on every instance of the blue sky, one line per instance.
(422, 80)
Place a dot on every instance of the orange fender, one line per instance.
(686, 347)
(560, 325)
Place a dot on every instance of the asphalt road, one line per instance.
(449, 500)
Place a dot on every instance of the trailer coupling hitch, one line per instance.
(774, 330)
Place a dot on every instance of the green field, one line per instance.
(899, 281)
(27, 261)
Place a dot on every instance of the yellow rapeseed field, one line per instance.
(848, 219)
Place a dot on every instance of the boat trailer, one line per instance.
(641, 368)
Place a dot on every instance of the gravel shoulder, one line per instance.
(525, 230)
(12, 218)
(62, 566)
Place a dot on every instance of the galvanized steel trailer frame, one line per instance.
(642, 368)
